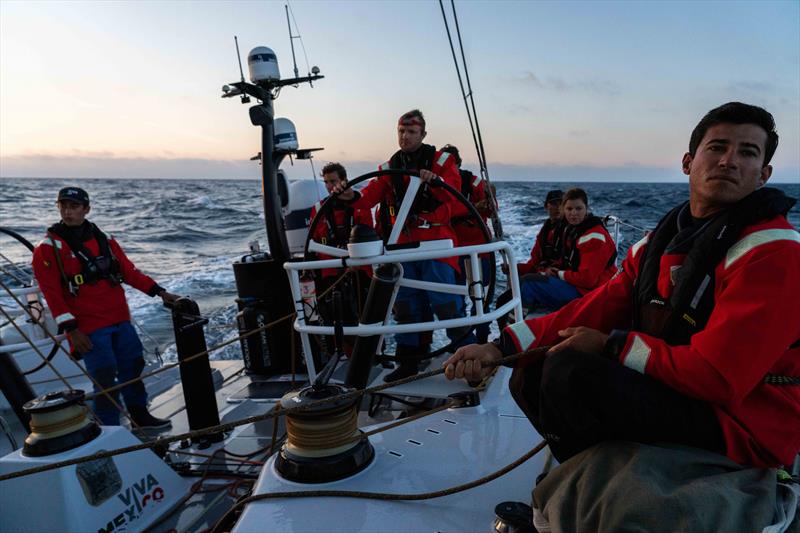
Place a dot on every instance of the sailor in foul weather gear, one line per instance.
(546, 249)
(587, 260)
(696, 340)
(80, 271)
(429, 220)
(334, 230)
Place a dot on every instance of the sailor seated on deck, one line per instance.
(80, 271)
(582, 258)
(696, 340)
(428, 220)
(335, 230)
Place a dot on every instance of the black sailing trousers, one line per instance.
(576, 400)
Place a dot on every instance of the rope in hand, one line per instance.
(164, 441)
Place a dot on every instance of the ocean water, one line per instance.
(186, 234)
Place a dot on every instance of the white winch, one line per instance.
(127, 492)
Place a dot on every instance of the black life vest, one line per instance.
(551, 247)
(424, 202)
(692, 300)
(339, 234)
(93, 267)
(570, 256)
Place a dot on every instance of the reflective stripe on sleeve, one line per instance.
(561, 275)
(638, 355)
(317, 206)
(589, 236)
(66, 317)
(635, 248)
(442, 159)
(738, 250)
(476, 181)
(523, 334)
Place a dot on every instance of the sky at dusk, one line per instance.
(564, 90)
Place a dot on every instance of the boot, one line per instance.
(404, 368)
(142, 418)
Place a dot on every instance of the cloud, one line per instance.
(560, 85)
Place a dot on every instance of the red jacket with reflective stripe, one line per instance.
(96, 305)
(322, 231)
(748, 335)
(381, 189)
(596, 248)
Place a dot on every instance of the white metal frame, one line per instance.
(427, 250)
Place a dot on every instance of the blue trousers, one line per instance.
(547, 293)
(115, 357)
(415, 305)
(481, 330)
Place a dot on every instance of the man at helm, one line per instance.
(696, 340)
(80, 271)
(429, 220)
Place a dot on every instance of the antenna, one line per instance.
(245, 98)
(291, 41)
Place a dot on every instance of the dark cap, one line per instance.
(554, 195)
(76, 194)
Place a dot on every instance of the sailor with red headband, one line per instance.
(428, 220)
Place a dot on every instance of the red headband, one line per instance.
(411, 121)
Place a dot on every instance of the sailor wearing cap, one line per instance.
(80, 271)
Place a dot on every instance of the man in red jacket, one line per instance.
(696, 340)
(80, 271)
(334, 230)
(428, 220)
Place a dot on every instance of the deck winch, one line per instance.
(60, 421)
(323, 443)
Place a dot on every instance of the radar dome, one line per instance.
(263, 65)
(285, 134)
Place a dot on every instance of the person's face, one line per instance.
(331, 180)
(575, 211)
(553, 208)
(410, 137)
(72, 213)
(727, 166)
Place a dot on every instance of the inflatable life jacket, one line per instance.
(93, 268)
(424, 202)
(570, 256)
(338, 233)
(704, 243)
(551, 238)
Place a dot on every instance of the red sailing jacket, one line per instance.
(322, 233)
(752, 331)
(596, 250)
(547, 236)
(381, 189)
(96, 305)
(467, 232)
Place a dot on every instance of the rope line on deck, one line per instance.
(164, 441)
(381, 495)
